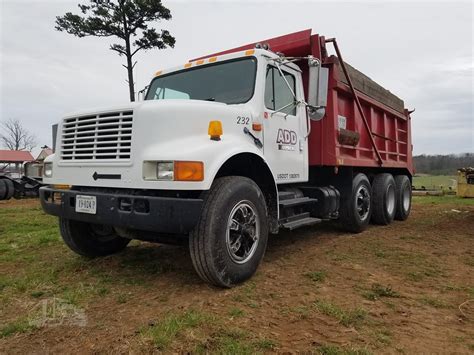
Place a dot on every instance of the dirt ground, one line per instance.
(403, 288)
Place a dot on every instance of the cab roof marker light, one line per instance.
(250, 52)
(212, 59)
(158, 73)
(187, 65)
(199, 62)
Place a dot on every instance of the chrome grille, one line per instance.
(95, 137)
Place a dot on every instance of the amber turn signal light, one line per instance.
(188, 171)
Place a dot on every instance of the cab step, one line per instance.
(295, 210)
(298, 201)
(285, 195)
(304, 222)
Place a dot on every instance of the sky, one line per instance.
(421, 51)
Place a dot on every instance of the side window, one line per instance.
(269, 101)
(277, 93)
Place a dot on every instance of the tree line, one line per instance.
(442, 164)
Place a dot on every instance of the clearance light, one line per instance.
(158, 73)
(212, 59)
(188, 170)
(199, 62)
(215, 130)
(250, 52)
(188, 65)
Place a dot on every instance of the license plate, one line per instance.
(86, 204)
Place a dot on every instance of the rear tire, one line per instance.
(356, 208)
(91, 240)
(10, 189)
(229, 241)
(3, 189)
(403, 197)
(383, 199)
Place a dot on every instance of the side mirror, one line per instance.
(141, 94)
(317, 89)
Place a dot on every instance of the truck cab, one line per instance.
(228, 93)
(217, 155)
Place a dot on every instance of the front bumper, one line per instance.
(148, 213)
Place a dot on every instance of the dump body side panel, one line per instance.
(341, 138)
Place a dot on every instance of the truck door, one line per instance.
(285, 144)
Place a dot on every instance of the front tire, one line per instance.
(228, 243)
(356, 206)
(91, 240)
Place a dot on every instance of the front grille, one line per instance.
(95, 137)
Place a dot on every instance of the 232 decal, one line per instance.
(243, 120)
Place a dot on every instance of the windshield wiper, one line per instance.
(210, 99)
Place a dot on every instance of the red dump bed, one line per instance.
(341, 138)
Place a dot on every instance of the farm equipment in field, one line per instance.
(466, 182)
(18, 188)
(26, 176)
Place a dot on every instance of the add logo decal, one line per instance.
(286, 139)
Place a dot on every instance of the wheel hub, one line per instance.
(363, 202)
(243, 232)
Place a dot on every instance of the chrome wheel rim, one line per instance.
(390, 199)
(243, 232)
(363, 202)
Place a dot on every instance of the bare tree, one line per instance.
(16, 137)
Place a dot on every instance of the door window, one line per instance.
(277, 93)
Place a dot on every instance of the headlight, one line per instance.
(173, 170)
(48, 170)
(165, 170)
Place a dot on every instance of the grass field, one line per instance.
(436, 182)
(403, 288)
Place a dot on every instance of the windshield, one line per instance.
(230, 82)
